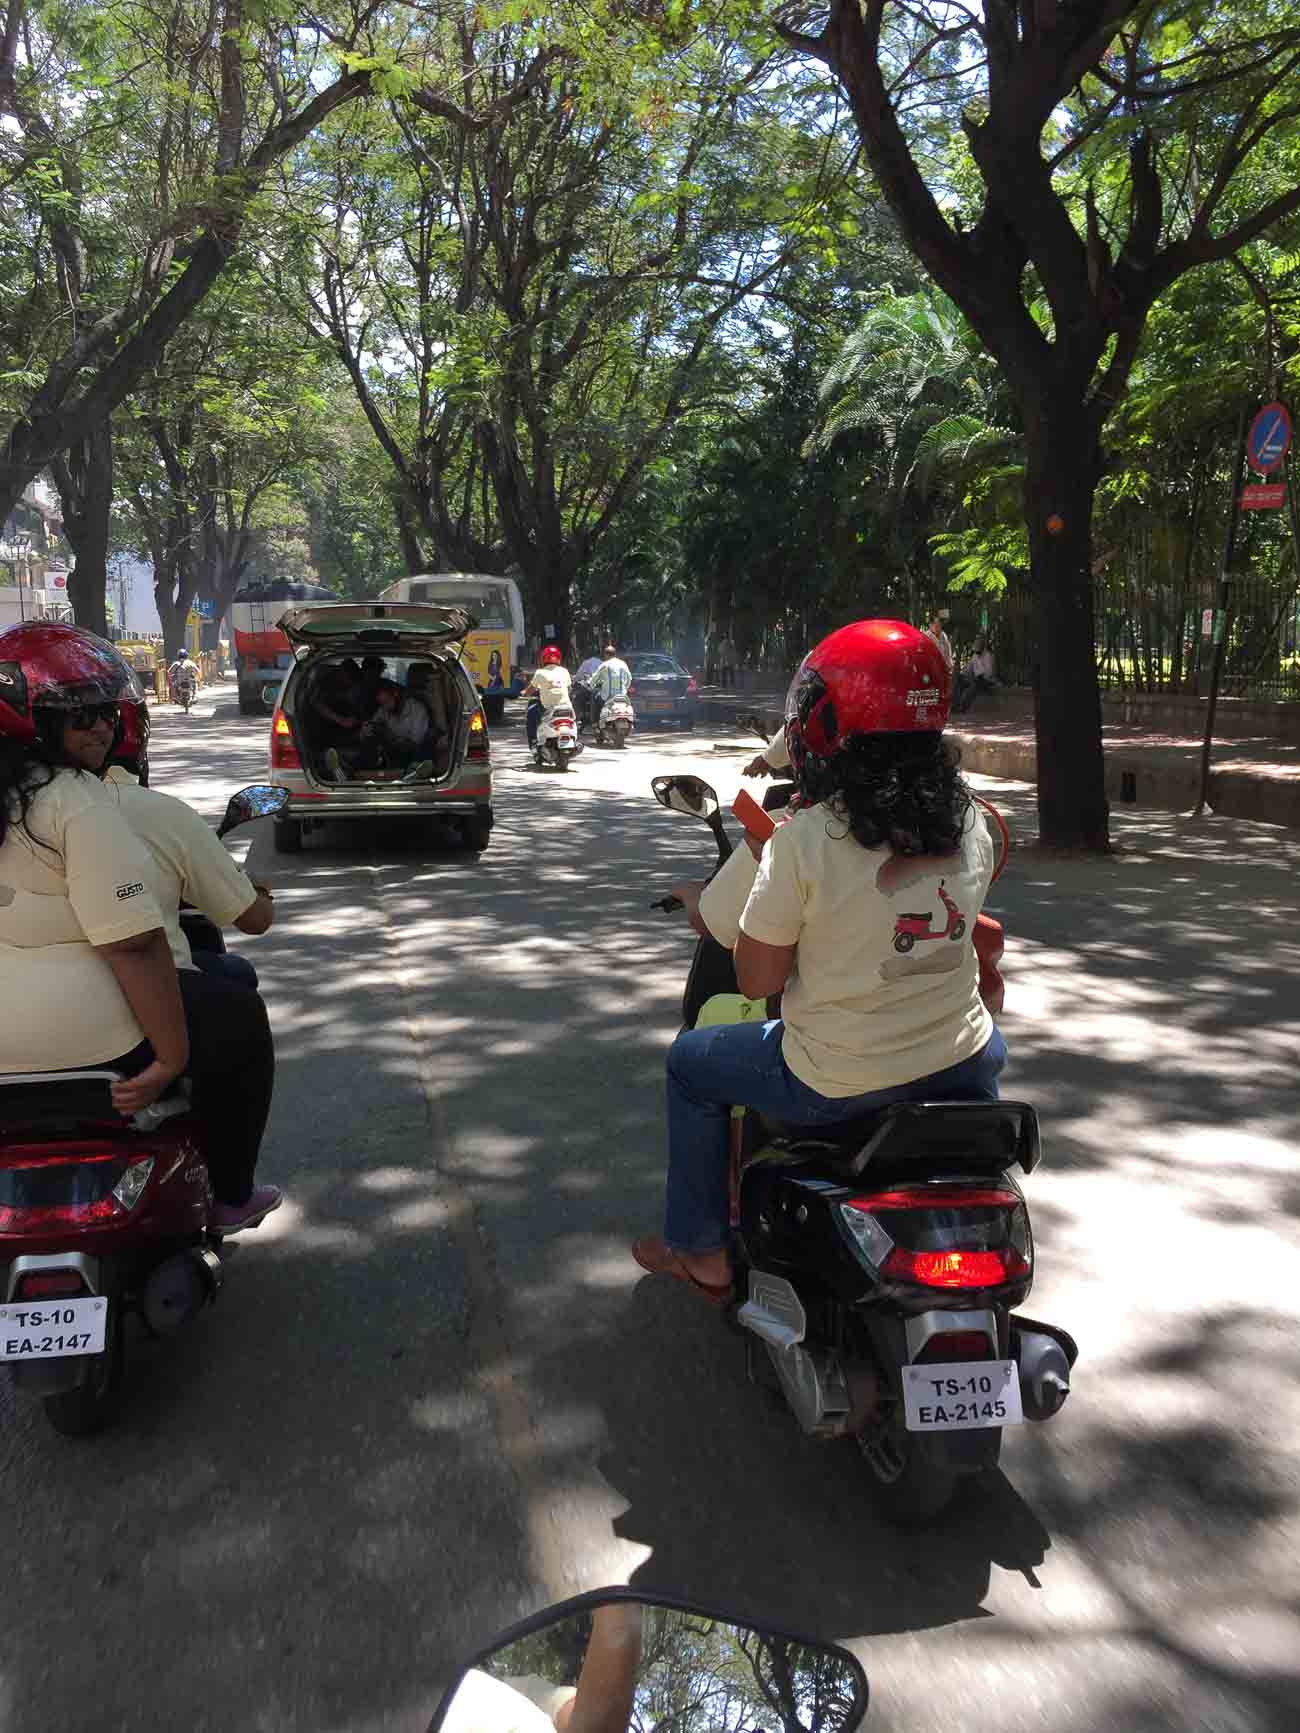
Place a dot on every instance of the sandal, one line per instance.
(661, 1260)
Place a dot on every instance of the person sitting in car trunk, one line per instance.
(397, 737)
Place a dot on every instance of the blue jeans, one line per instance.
(741, 1065)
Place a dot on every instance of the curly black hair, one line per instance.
(897, 791)
(26, 767)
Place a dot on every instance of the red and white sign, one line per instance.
(1207, 623)
(1266, 496)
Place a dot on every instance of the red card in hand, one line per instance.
(758, 824)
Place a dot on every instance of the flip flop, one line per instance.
(661, 1260)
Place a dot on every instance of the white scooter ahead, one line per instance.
(557, 738)
(607, 1661)
(615, 722)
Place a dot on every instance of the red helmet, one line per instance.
(48, 666)
(551, 654)
(873, 677)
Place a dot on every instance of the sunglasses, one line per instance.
(85, 716)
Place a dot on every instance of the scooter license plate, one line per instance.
(52, 1329)
(962, 1396)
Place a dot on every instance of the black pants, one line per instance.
(226, 966)
(533, 720)
(726, 677)
(231, 1073)
(968, 687)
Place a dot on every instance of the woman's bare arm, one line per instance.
(144, 970)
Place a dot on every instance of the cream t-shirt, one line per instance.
(188, 862)
(552, 686)
(872, 1002)
(90, 885)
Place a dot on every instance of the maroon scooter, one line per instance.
(101, 1218)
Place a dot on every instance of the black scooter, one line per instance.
(881, 1262)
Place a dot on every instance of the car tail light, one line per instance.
(479, 745)
(49, 1285)
(948, 1236)
(284, 749)
(631, 692)
(692, 686)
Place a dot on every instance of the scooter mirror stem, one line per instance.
(720, 836)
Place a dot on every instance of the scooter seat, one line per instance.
(999, 1134)
(40, 1103)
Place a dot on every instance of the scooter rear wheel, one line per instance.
(910, 1487)
(94, 1404)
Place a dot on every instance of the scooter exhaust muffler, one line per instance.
(1044, 1362)
(177, 1291)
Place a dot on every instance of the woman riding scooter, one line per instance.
(88, 973)
(883, 823)
(549, 686)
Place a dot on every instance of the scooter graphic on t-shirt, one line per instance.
(910, 930)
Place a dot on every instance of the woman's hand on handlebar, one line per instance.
(757, 767)
(142, 1090)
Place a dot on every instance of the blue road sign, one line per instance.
(1269, 439)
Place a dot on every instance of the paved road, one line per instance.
(437, 1392)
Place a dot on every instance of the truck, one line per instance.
(262, 652)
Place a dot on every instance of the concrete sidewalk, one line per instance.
(1253, 778)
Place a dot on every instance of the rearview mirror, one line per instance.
(615, 1662)
(688, 794)
(270, 692)
(260, 800)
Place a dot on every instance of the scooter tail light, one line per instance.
(956, 1269)
(948, 1347)
(951, 1236)
(49, 1285)
(692, 686)
(284, 751)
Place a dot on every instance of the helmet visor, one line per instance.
(113, 684)
(804, 687)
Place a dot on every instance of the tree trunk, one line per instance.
(1063, 466)
(84, 478)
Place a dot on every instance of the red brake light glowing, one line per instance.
(692, 684)
(956, 1269)
(284, 753)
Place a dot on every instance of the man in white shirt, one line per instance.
(183, 672)
(613, 678)
(976, 677)
(584, 699)
(936, 631)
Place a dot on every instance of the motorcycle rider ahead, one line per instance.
(549, 686)
(884, 820)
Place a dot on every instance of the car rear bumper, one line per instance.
(392, 801)
(678, 710)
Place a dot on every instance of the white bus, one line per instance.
(492, 650)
